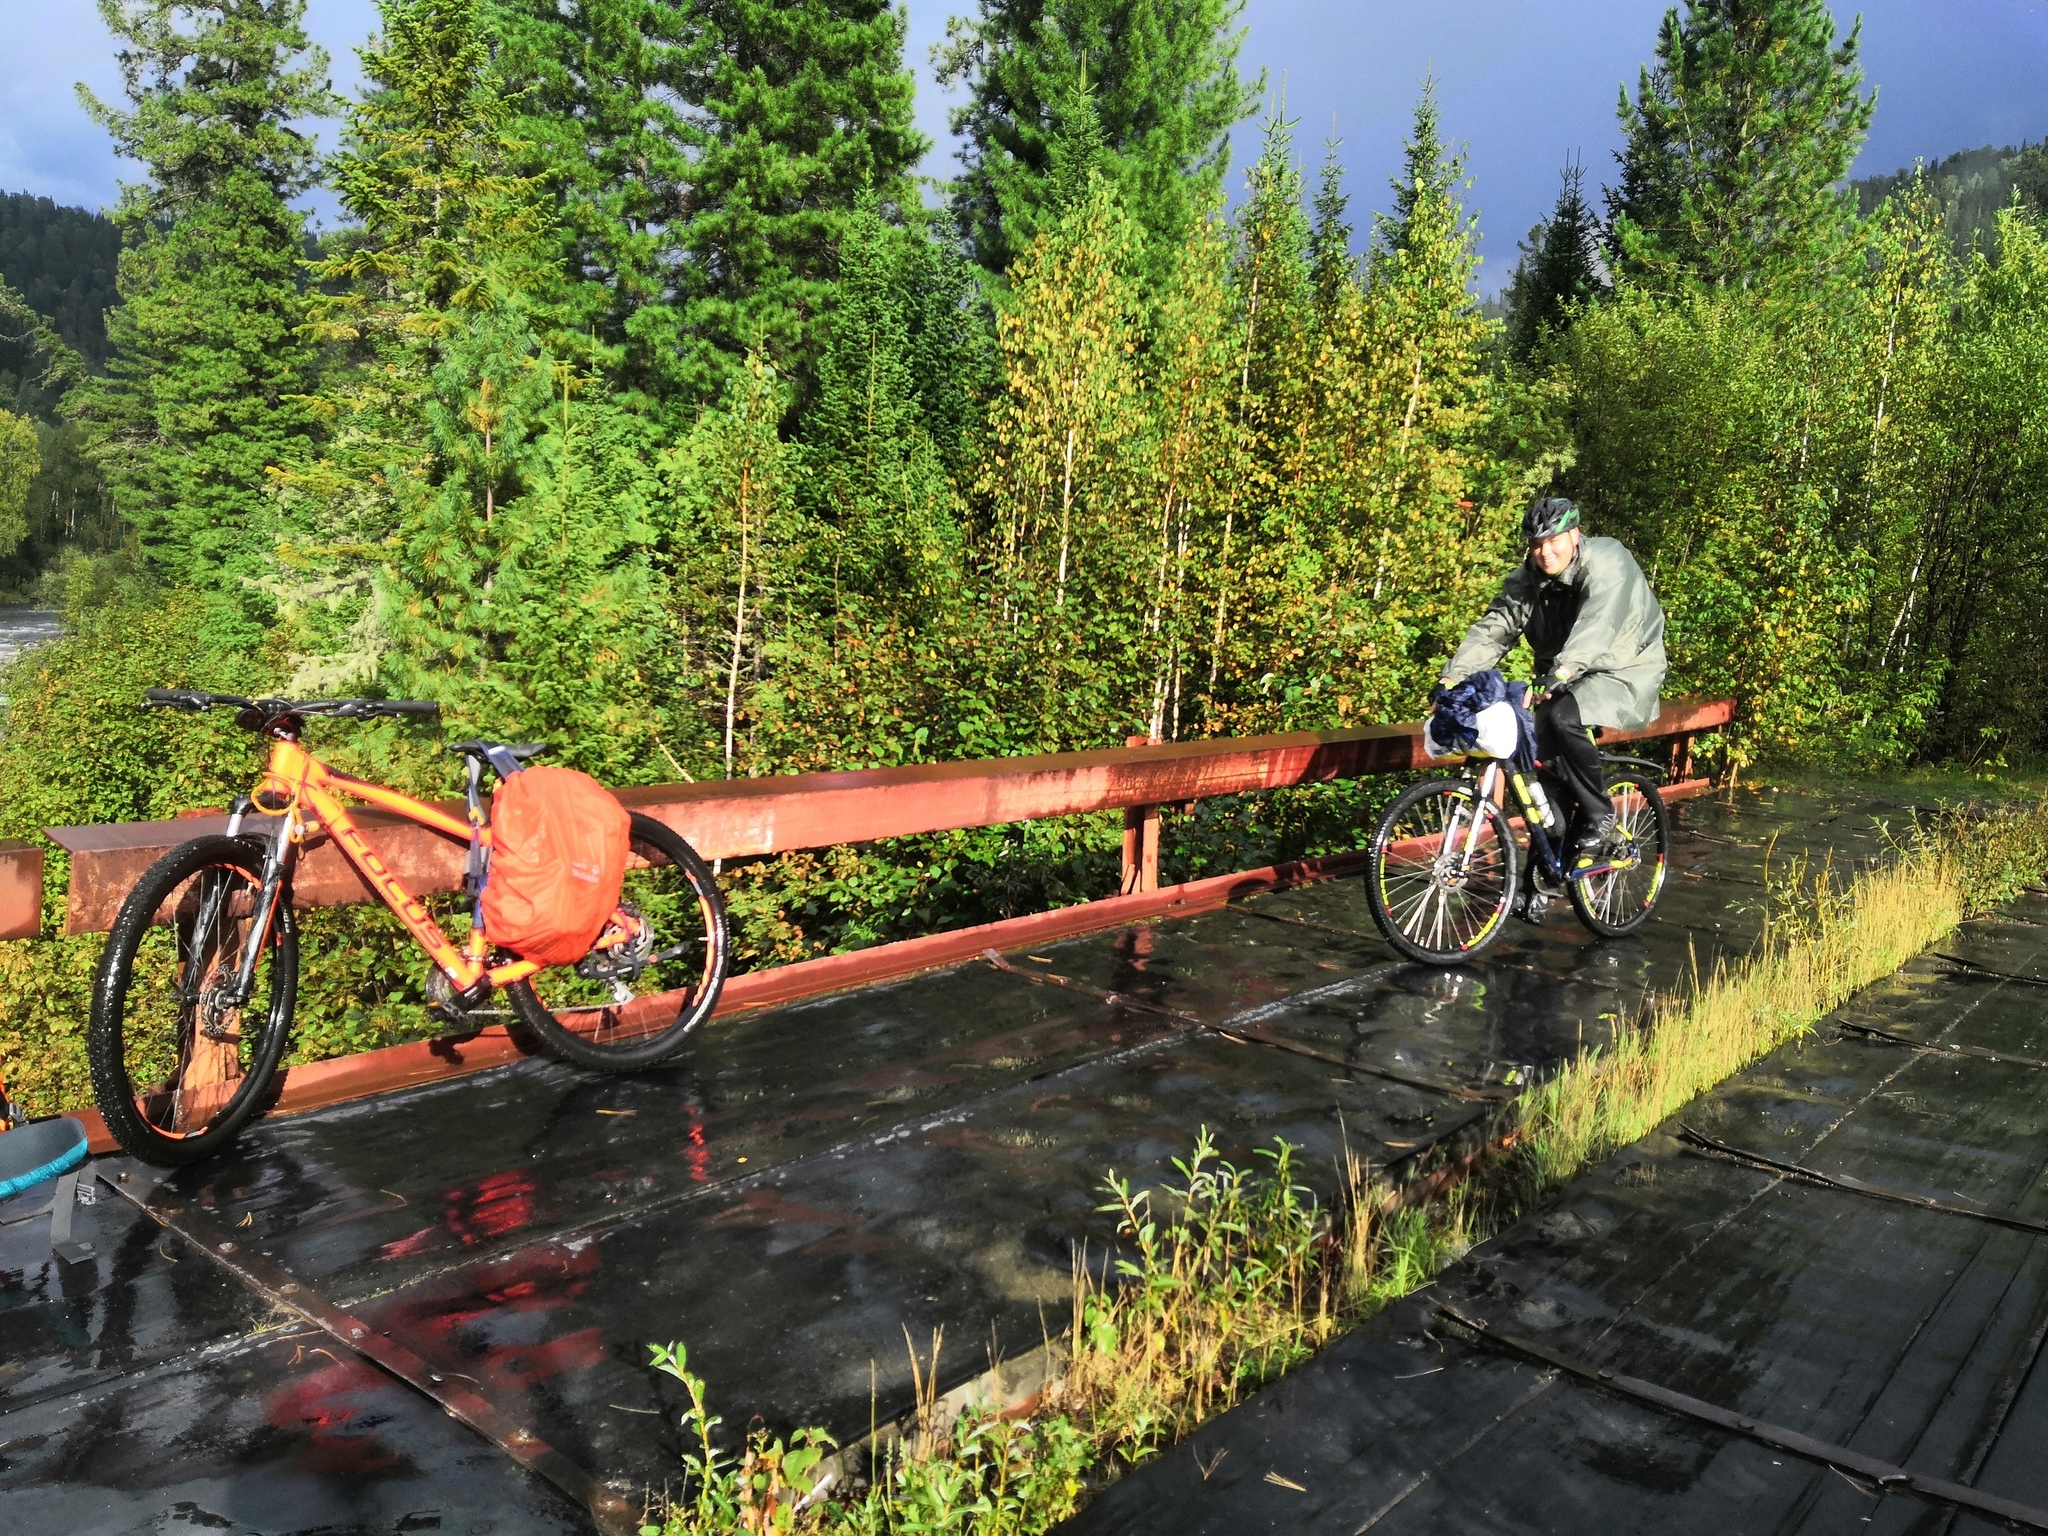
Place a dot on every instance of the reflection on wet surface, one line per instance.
(1908, 1335)
(787, 1198)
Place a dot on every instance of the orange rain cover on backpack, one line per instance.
(558, 860)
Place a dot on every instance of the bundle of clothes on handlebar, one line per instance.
(1485, 713)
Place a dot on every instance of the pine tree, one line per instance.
(1735, 144)
(205, 392)
(1164, 83)
(1559, 269)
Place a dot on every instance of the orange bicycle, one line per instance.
(192, 1004)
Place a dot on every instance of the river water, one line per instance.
(21, 628)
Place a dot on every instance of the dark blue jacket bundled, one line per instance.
(1454, 722)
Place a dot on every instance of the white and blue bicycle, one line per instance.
(1446, 858)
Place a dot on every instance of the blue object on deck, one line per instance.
(35, 1153)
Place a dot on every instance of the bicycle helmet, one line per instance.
(1548, 516)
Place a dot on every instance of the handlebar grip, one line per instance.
(425, 708)
(172, 698)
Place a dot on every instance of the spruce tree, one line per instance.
(1559, 269)
(1428, 345)
(1736, 142)
(1162, 75)
(605, 116)
(205, 391)
(705, 158)
(1429, 180)
(1272, 279)
(434, 386)
(876, 479)
(1332, 267)
(802, 108)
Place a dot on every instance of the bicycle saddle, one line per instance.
(518, 751)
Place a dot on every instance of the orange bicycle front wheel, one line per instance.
(182, 1057)
(625, 1009)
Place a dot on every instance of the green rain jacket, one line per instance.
(1595, 626)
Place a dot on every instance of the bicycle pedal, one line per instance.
(451, 1007)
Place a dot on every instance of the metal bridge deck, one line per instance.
(791, 1195)
(1910, 1335)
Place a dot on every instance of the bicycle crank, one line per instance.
(453, 1008)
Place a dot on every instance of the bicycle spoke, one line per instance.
(188, 1034)
(1441, 878)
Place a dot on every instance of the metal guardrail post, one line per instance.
(1141, 839)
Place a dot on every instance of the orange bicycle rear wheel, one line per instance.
(623, 1010)
(179, 1063)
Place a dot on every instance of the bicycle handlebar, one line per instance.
(197, 701)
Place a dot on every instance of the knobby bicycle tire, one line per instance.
(1414, 913)
(647, 1030)
(1610, 904)
(144, 1117)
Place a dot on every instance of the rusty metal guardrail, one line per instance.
(743, 817)
(815, 810)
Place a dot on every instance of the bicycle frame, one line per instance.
(297, 783)
(1492, 784)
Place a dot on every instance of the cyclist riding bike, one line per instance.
(1598, 635)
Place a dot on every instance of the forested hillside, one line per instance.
(61, 261)
(57, 269)
(1972, 188)
(643, 408)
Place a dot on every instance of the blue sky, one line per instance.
(1523, 85)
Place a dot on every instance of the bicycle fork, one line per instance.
(1461, 860)
(276, 865)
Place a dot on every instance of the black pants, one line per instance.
(1571, 762)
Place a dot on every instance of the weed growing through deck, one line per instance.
(987, 1474)
(1824, 940)
(1229, 1277)
(1232, 1276)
